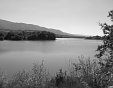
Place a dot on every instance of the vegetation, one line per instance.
(95, 37)
(82, 74)
(26, 35)
(105, 54)
(38, 77)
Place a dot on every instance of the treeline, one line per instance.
(17, 35)
(95, 37)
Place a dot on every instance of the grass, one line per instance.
(83, 74)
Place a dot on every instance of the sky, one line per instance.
(72, 16)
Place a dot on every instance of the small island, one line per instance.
(18, 35)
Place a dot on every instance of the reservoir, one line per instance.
(17, 55)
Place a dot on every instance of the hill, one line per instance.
(7, 25)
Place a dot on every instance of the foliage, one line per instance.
(3, 79)
(37, 77)
(26, 35)
(94, 37)
(108, 38)
(83, 74)
(106, 54)
(86, 70)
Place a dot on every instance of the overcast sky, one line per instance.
(72, 16)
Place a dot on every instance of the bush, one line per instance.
(87, 71)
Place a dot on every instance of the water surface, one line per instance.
(15, 55)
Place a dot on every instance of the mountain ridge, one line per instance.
(4, 25)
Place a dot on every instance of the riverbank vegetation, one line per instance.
(17, 35)
(87, 73)
(79, 75)
(83, 74)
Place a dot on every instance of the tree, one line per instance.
(106, 49)
(106, 53)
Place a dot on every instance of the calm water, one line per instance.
(15, 55)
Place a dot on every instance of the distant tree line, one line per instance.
(26, 35)
(95, 37)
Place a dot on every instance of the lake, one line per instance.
(17, 55)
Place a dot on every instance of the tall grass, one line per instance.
(86, 69)
(82, 74)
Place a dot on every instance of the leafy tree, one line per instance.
(106, 49)
(106, 53)
(108, 38)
